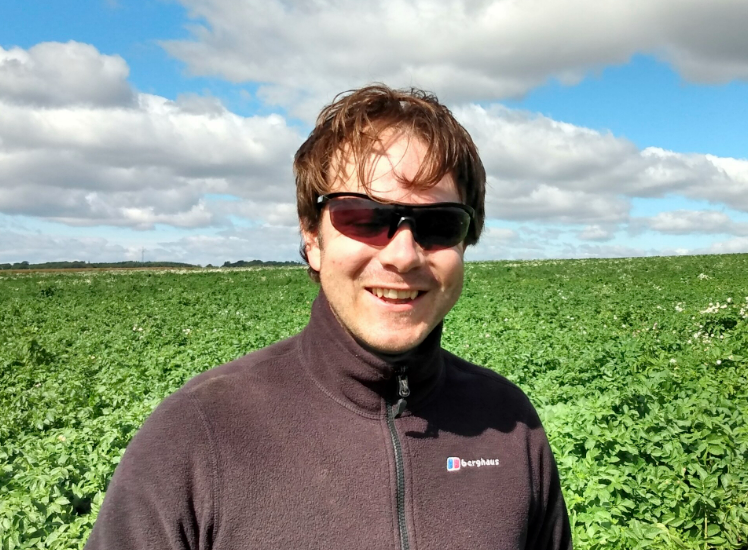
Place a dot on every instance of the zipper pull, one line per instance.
(403, 390)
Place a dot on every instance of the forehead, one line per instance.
(392, 171)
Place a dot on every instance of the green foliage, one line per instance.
(637, 368)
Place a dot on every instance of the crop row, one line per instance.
(637, 368)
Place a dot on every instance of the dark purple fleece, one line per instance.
(289, 447)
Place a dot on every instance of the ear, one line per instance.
(312, 248)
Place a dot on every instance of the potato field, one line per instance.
(638, 368)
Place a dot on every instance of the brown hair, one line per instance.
(351, 128)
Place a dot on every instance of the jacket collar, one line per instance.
(359, 379)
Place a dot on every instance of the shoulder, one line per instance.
(475, 372)
(236, 395)
(483, 383)
(191, 413)
(187, 419)
(481, 397)
(262, 366)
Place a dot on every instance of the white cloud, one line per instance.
(605, 251)
(732, 246)
(36, 248)
(706, 42)
(53, 75)
(468, 50)
(727, 182)
(685, 222)
(148, 162)
(273, 213)
(255, 243)
(503, 243)
(595, 233)
(548, 171)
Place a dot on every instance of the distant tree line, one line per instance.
(259, 263)
(130, 265)
(92, 265)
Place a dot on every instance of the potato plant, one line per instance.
(636, 366)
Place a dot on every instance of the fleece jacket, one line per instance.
(310, 443)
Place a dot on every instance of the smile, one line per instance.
(393, 294)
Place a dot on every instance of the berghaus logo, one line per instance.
(454, 463)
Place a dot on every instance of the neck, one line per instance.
(428, 344)
(362, 376)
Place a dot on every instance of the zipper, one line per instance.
(394, 411)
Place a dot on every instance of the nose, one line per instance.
(402, 252)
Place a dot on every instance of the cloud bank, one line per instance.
(56, 75)
(467, 50)
(100, 153)
(549, 171)
(89, 150)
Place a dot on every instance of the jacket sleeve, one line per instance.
(163, 491)
(549, 527)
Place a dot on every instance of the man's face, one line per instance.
(352, 273)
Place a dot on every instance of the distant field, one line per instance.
(637, 367)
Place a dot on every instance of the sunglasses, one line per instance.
(434, 226)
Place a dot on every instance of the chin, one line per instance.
(394, 343)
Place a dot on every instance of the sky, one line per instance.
(165, 129)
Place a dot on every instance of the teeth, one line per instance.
(393, 294)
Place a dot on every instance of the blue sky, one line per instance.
(169, 126)
(646, 101)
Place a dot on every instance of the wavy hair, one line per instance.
(349, 132)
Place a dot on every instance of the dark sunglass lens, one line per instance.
(370, 222)
(442, 227)
(361, 219)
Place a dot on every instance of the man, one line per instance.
(360, 432)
